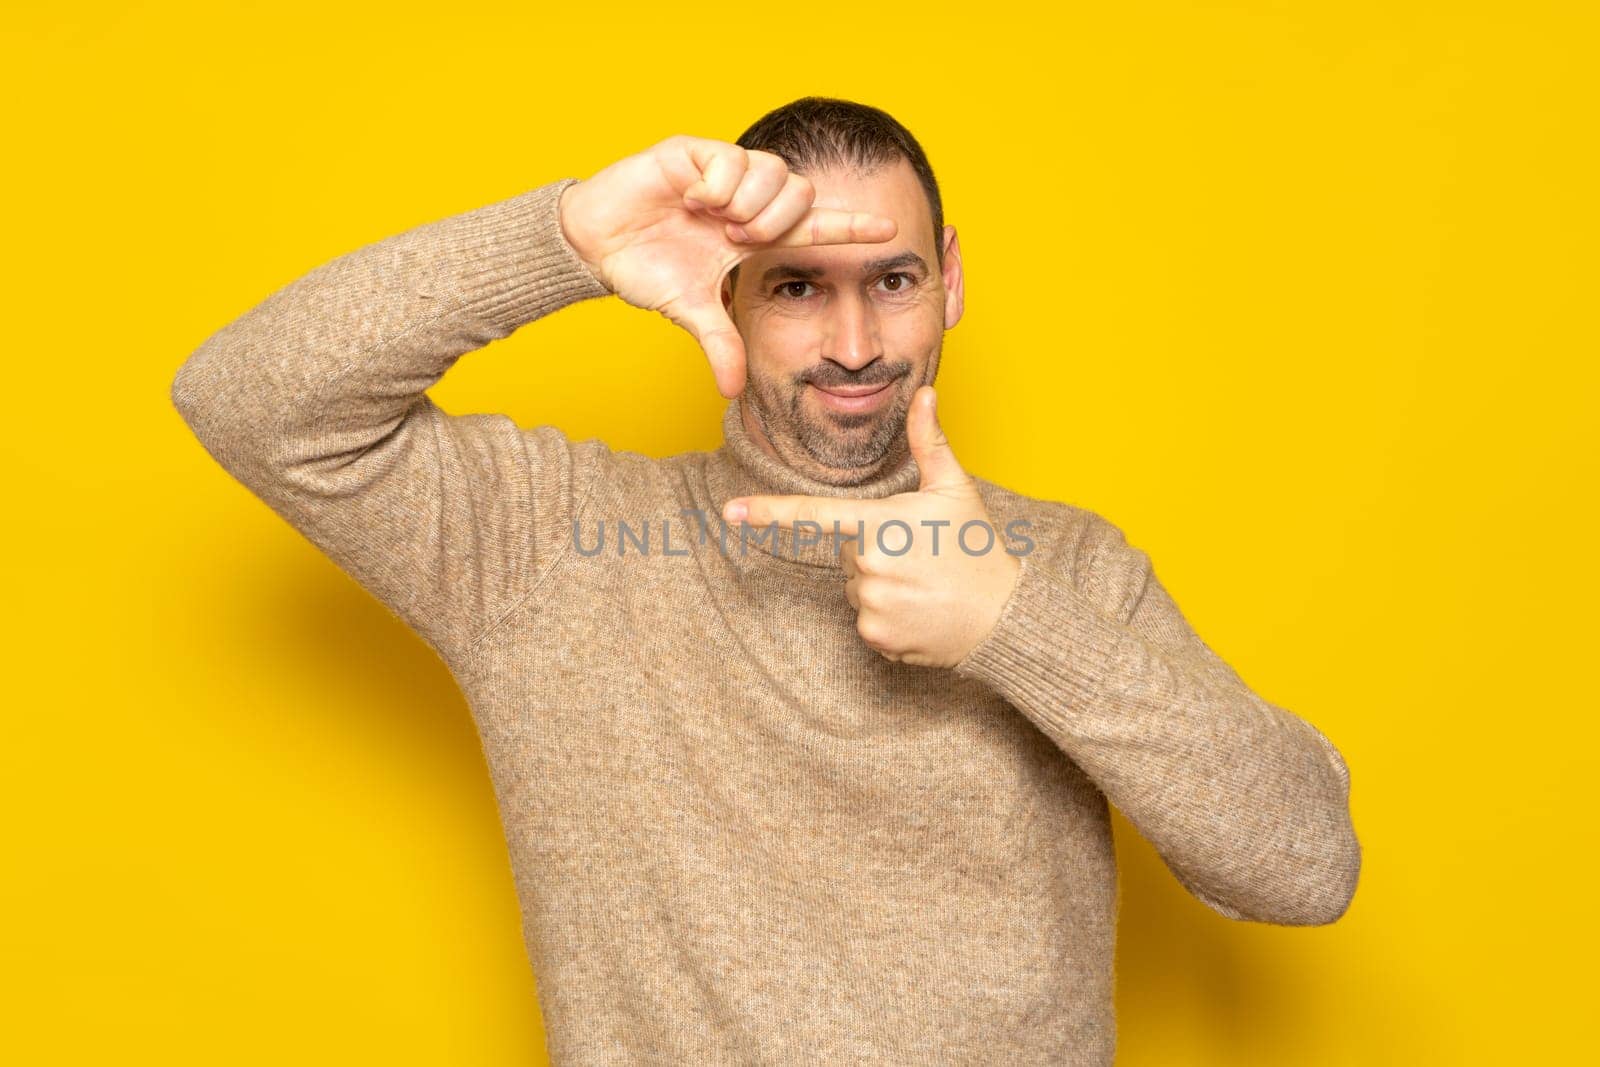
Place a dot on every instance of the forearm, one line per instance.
(327, 365)
(1247, 803)
(315, 400)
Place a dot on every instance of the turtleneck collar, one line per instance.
(741, 467)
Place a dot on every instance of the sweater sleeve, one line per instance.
(315, 401)
(1247, 804)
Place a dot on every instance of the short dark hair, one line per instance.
(820, 132)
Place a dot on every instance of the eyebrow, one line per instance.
(794, 270)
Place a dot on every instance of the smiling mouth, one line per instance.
(849, 404)
(853, 390)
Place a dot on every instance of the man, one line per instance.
(772, 797)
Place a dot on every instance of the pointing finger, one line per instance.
(788, 511)
(830, 226)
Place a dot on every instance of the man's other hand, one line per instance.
(661, 229)
(936, 601)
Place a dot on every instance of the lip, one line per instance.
(854, 398)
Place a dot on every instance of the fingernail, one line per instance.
(735, 511)
(739, 232)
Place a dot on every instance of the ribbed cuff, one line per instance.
(521, 265)
(1050, 649)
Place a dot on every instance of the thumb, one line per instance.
(936, 461)
(709, 324)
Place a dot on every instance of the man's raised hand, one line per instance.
(934, 602)
(662, 228)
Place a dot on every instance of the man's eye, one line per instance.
(893, 282)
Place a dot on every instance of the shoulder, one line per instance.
(586, 470)
(1076, 543)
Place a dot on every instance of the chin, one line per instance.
(847, 455)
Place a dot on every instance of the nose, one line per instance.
(852, 332)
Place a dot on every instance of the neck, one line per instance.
(747, 465)
(752, 430)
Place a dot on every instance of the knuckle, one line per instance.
(765, 160)
(759, 230)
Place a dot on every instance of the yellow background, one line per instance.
(1302, 296)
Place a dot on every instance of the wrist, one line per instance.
(997, 590)
(576, 244)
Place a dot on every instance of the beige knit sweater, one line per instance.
(739, 835)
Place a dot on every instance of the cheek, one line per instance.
(782, 341)
(775, 354)
(916, 329)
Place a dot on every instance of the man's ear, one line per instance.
(954, 295)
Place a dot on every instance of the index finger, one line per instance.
(789, 511)
(831, 226)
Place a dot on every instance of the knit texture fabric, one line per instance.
(738, 834)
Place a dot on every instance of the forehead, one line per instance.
(891, 190)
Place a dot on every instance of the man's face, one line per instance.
(839, 337)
